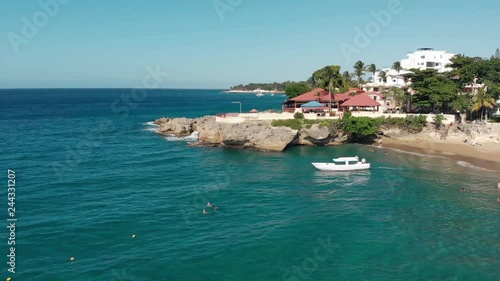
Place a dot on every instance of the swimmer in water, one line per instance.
(205, 212)
(462, 189)
(210, 205)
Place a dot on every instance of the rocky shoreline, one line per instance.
(261, 135)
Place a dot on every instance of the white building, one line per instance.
(428, 58)
(392, 79)
(423, 58)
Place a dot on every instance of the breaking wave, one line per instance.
(150, 127)
(192, 137)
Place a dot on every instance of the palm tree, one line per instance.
(347, 77)
(383, 76)
(482, 102)
(329, 77)
(359, 70)
(372, 68)
(397, 66)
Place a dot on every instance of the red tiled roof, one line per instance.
(361, 100)
(349, 94)
(313, 96)
(323, 95)
(342, 97)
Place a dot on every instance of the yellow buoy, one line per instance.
(133, 235)
(8, 278)
(72, 259)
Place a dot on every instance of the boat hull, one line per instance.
(334, 167)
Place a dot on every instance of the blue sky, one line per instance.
(96, 43)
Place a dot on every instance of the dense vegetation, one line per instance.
(445, 92)
(412, 123)
(262, 86)
(431, 91)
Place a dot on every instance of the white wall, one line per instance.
(234, 118)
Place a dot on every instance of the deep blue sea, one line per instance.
(91, 172)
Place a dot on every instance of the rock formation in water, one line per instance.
(258, 135)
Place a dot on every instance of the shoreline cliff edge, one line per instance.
(474, 144)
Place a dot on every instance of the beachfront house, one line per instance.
(392, 79)
(319, 95)
(387, 102)
(361, 102)
(314, 107)
(318, 101)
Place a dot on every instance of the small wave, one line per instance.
(150, 127)
(469, 165)
(416, 153)
(460, 163)
(192, 137)
(151, 124)
(154, 130)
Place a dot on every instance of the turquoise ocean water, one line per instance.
(91, 172)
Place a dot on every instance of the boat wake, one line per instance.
(344, 178)
(192, 137)
(389, 168)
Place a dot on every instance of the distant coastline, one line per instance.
(253, 92)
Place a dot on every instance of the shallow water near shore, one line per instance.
(278, 218)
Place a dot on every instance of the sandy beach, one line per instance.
(486, 156)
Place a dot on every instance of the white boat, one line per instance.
(343, 164)
(259, 94)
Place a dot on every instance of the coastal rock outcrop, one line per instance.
(179, 127)
(261, 135)
(321, 136)
(258, 135)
